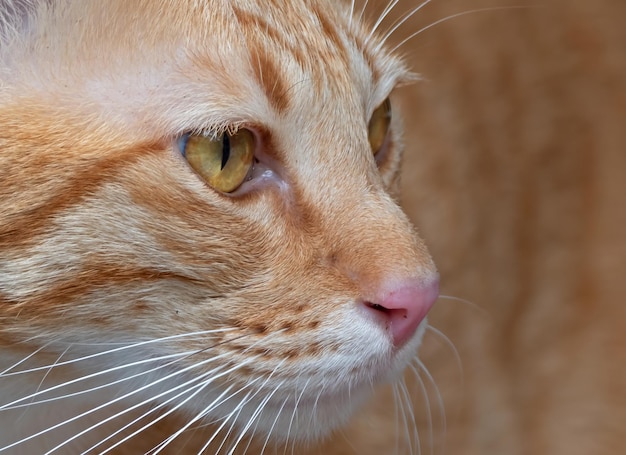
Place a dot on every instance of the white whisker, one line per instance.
(256, 425)
(181, 357)
(38, 388)
(269, 433)
(440, 402)
(404, 418)
(127, 410)
(454, 16)
(6, 371)
(399, 23)
(200, 387)
(163, 404)
(451, 345)
(200, 415)
(235, 412)
(476, 307)
(388, 8)
(15, 405)
(253, 417)
(260, 407)
(317, 399)
(203, 413)
(397, 419)
(116, 350)
(343, 434)
(407, 397)
(360, 19)
(116, 400)
(293, 413)
(240, 407)
(429, 414)
(351, 13)
(216, 402)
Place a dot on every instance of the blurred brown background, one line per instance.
(515, 174)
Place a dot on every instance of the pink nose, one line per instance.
(404, 306)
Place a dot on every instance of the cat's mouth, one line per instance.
(297, 400)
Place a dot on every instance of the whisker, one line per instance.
(313, 412)
(280, 410)
(360, 19)
(235, 412)
(475, 306)
(351, 13)
(216, 402)
(344, 435)
(125, 411)
(399, 23)
(265, 400)
(293, 413)
(44, 379)
(440, 402)
(388, 8)
(429, 414)
(123, 348)
(203, 413)
(210, 407)
(454, 16)
(6, 371)
(451, 345)
(256, 413)
(182, 356)
(240, 407)
(404, 418)
(118, 399)
(200, 387)
(15, 405)
(317, 399)
(407, 396)
(397, 419)
(256, 425)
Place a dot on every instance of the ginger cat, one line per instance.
(514, 173)
(200, 247)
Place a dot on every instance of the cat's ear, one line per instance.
(16, 15)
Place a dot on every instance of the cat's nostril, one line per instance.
(403, 307)
(377, 307)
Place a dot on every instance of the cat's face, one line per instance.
(290, 280)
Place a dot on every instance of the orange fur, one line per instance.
(108, 237)
(514, 175)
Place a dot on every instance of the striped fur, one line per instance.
(115, 256)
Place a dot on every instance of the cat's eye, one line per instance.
(223, 162)
(378, 127)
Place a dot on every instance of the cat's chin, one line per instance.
(313, 420)
(308, 413)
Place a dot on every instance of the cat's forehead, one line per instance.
(211, 63)
(318, 41)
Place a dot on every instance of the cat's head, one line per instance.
(210, 183)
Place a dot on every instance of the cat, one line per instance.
(201, 249)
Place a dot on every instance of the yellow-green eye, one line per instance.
(379, 126)
(223, 162)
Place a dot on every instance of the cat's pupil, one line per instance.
(225, 150)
